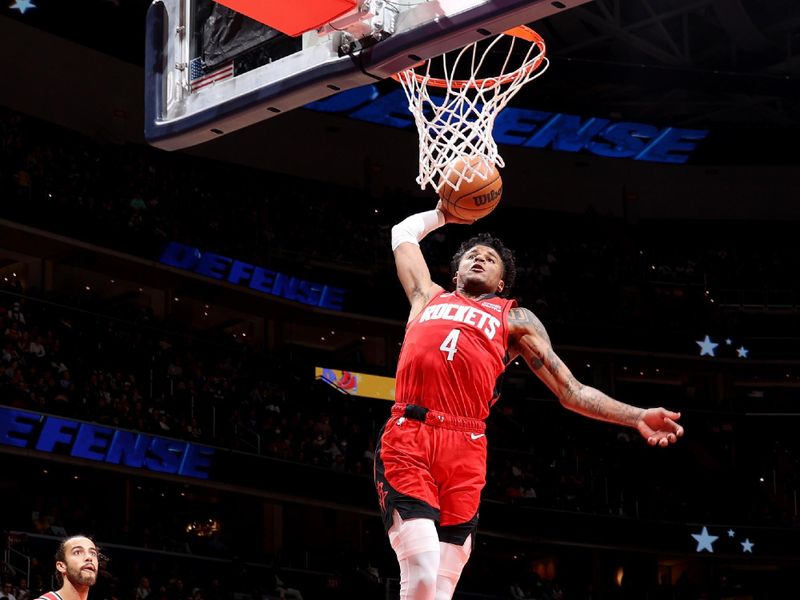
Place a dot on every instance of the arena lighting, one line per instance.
(205, 528)
(533, 128)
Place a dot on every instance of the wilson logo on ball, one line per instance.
(492, 196)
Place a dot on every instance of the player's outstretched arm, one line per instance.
(528, 339)
(412, 270)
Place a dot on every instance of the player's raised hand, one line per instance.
(449, 218)
(658, 426)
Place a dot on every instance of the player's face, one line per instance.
(80, 562)
(480, 271)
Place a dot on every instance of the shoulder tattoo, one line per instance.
(522, 317)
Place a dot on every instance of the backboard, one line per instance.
(210, 70)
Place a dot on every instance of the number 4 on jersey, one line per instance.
(450, 342)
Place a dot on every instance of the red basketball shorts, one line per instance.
(431, 465)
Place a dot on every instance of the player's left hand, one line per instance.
(450, 218)
(658, 426)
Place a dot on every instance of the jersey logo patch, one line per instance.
(476, 436)
(496, 307)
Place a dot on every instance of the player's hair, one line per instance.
(61, 553)
(506, 255)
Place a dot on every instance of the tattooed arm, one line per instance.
(528, 339)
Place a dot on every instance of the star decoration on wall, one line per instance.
(706, 346)
(704, 540)
(725, 544)
(22, 5)
(722, 349)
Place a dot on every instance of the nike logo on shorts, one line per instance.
(476, 436)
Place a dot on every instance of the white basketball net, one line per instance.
(460, 124)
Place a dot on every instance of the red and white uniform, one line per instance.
(453, 356)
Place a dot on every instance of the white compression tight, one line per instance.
(452, 559)
(429, 569)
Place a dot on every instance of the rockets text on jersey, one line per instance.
(468, 315)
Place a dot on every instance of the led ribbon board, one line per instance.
(357, 384)
(221, 268)
(535, 129)
(109, 445)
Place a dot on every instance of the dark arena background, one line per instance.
(196, 347)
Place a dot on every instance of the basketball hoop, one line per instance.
(460, 124)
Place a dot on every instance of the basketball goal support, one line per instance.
(178, 115)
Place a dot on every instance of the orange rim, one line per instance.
(522, 32)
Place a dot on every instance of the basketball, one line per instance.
(473, 199)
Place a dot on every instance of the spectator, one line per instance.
(15, 314)
(143, 590)
(8, 591)
(36, 348)
(22, 592)
(280, 590)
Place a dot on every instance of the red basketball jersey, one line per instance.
(453, 355)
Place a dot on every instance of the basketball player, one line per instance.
(76, 563)
(430, 461)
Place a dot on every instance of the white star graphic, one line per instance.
(22, 5)
(741, 352)
(706, 346)
(728, 341)
(747, 546)
(731, 533)
(704, 540)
